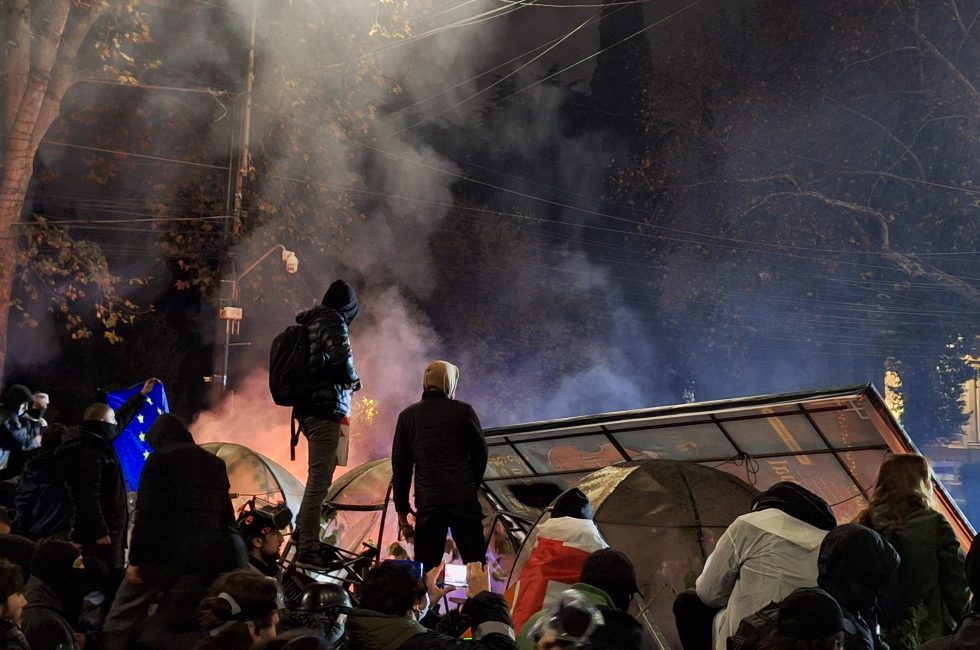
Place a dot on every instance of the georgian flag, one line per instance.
(560, 549)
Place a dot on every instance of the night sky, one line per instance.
(586, 206)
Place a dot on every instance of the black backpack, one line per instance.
(289, 374)
(755, 629)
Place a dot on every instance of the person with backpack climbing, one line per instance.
(330, 380)
(928, 594)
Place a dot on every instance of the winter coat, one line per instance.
(11, 638)
(331, 363)
(441, 441)
(45, 620)
(929, 593)
(619, 630)
(43, 503)
(761, 558)
(16, 438)
(489, 618)
(966, 637)
(184, 519)
(95, 480)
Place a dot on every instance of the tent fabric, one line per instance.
(666, 517)
(253, 475)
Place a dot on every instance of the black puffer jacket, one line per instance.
(95, 480)
(331, 362)
(46, 619)
(441, 441)
(184, 518)
(43, 503)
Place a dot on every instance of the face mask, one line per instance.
(105, 429)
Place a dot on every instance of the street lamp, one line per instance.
(232, 315)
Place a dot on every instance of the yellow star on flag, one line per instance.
(159, 411)
(149, 400)
(146, 455)
(142, 437)
(139, 418)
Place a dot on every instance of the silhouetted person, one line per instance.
(332, 379)
(440, 441)
(54, 596)
(95, 480)
(44, 509)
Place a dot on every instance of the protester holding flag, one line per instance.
(95, 479)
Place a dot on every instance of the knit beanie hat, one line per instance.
(16, 395)
(611, 571)
(442, 376)
(809, 614)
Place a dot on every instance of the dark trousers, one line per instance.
(465, 520)
(694, 620)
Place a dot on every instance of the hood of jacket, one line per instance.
(370, 630)
(778, 523)
(854, 564)
(167, 430)
(798, 502)
(39, 594)
(341, 298)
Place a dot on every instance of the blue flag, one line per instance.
(131, 443)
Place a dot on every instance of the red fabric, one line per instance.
(550, 561)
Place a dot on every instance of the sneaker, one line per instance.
(316, 556)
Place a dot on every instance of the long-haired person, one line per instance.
(928, 594)
(12, 603)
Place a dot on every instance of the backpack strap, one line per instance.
(295, 428)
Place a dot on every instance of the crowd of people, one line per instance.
(80, 569)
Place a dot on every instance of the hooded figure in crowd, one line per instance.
(855, 563)
(761, 558)
(440, 441)
(183, 525)
(54, 596)
(332, 379)
(16, 434)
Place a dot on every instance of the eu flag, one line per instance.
(131, 443)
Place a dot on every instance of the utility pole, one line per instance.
(238, 168)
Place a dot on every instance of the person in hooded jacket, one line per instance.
(929, 593)
(12, 604)
(43, 504)
(440, 440)
(332, 379)
(54, 597)
(760, 558)
(16, 434)
(95, 480)
(184, 525)
(854, 564)
(393, 600)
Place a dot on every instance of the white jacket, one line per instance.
(761, 558)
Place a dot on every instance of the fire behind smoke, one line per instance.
(249, 417)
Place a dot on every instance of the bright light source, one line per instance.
(292, 262)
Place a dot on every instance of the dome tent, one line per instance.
(666, 517)
(253, 475)
(359, 501)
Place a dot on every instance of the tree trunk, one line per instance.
(33, 102)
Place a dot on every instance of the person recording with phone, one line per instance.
(439, 439)
(395, 598)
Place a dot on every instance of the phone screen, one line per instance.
(456, 575)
